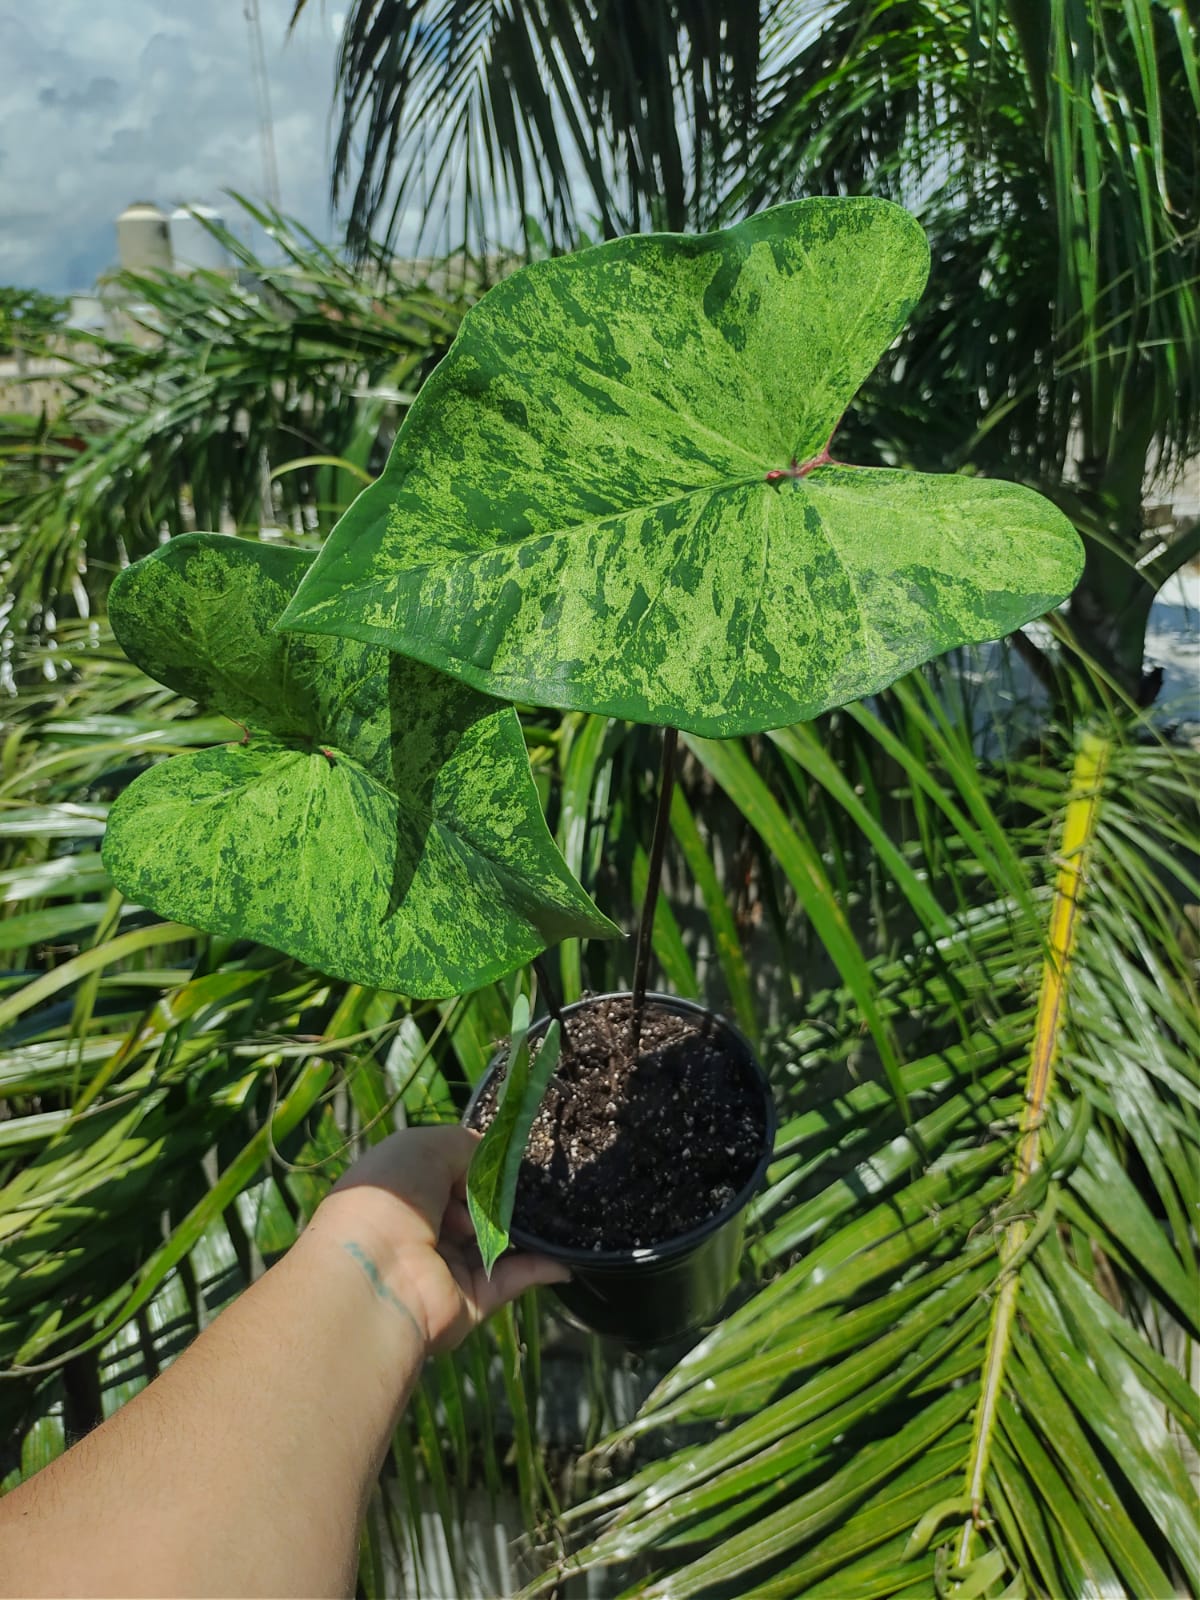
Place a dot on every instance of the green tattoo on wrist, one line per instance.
(375, 1278)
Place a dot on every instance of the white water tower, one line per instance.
(193, 247)
(143, 241)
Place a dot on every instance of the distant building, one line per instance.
(149, 240)
(182, 241)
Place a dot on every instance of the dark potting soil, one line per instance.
(626, 1152)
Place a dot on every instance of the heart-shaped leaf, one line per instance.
(379, 821)
(614, 493)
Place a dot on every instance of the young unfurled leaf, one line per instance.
(492, 1177)
(378, 821)
(615, 493)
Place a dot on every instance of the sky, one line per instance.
(103, 102)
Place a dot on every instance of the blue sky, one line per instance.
(107, 101)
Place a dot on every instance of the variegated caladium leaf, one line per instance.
(616, 492)
(378, 820)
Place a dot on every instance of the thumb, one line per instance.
(518, 1272)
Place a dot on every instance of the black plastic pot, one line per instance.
(657, 1293)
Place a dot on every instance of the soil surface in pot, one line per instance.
(629, 1151)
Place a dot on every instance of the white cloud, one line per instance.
(107, 101)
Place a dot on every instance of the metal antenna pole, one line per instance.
(262, 95)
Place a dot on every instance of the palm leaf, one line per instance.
(180, 421)
(466, 110)
(901, 1408)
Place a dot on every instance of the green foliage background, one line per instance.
(27, 316)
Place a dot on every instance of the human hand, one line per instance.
(401, 1212)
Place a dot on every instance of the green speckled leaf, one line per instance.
(379, 822)
(496, 1164)
(580, 510)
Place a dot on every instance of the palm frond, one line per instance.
(220, 402)
(1052, 155)
(953, 1376)
(465, 109)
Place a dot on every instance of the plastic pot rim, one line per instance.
(682, 1243)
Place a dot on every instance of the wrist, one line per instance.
(372, 1261)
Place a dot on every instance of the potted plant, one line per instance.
(618, 494)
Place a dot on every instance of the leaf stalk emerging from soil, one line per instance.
(662, 824)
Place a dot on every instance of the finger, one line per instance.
(460, 1183)
(517, 1272)
(457, 1224)
(462, 1255)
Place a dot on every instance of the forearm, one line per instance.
(246, 1467)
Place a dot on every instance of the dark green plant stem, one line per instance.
(549, 995)
(662, 823)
